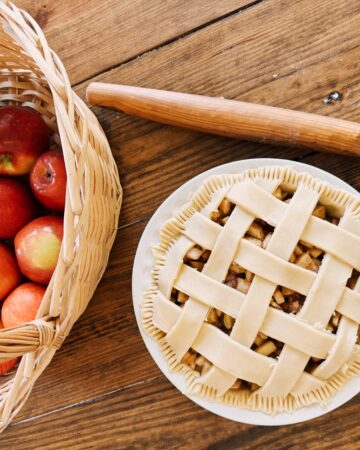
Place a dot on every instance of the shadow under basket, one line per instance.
(31, 74)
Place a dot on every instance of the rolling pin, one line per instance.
(231, 118)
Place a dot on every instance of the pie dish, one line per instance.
(255, 287)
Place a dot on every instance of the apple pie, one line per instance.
(255, 294)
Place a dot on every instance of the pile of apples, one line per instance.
(32, 201)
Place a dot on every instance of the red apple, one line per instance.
(6, 364)
(17, 207)
(22, 304)
(23, 137)
(37, 248)
(48, 180)
(10, 275)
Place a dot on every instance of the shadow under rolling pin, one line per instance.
(231, 118)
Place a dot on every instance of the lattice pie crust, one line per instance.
(256, 295)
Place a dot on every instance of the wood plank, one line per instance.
(234, 58)
(341, 166)
(154, 415)
(251, 56)
(94, 35)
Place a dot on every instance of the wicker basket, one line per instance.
(33, 75)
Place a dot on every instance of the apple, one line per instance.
(48, 180)
(22, 304)
(37, 248)
(24, 135)
(17, 207)
(10, 275)
(6, 364)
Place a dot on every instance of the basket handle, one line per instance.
(29, 338)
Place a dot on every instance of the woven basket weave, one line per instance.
(32, 74)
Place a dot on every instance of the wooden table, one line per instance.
(102, 389)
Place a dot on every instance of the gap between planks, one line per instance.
(172, 40)
(148, 217)
(85, 402)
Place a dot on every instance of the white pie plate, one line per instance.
(141, 279)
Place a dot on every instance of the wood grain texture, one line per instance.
(94, 35)
(152, 415)
(251, 56)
